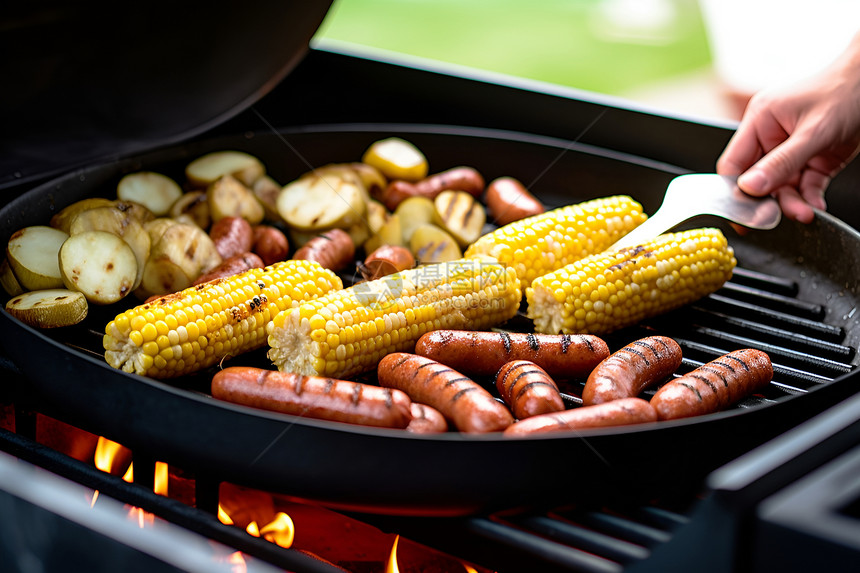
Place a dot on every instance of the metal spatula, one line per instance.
(704, 194)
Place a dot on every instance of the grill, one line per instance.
(795, 314)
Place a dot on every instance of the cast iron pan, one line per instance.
(392, 471)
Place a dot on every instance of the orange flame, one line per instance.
(223, 517)
(107, 453)
(470, 569)
(392, 559)
(160, 484)
(280, 530)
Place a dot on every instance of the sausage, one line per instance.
(313, 396)
(270, 244)
(232, 266)
(333, 249)
(458, 179)
(426, 420)
(508, 201)
(715, 385)
(386, 260)
(616, 413)
(527, 389)
(562, 356)
(232, 236)
(632, 369)
(471, 408)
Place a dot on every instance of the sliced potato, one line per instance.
(266, 190)
(154, 191)
(373, 179)
(207, 169)
(33, 255)
(195, 206)
(8, 280)
(100, 265)
(63, 219)
(431, 244)
(156, 228)
(229, 197)
(123, 224)
(461, 215)
(161, 276)
(322, 202)
(49, 308)
(376, 216)
(396, 159)
(414, 212)
(391, 233)
(134, 210)
(189, 248)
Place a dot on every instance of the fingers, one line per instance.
(793, 205)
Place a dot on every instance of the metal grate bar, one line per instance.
(660, 517)
(798, 324)
(558, 554)
(772, 334)
(764, 281)
(774, 301)
(625, 528)
(614, 548)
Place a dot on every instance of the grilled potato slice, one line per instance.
(266, 190)
(161, 276)
(207, 169)
(8, 280)
(49, 308)
(123, 224)
(194, 207)
(396, 158)
(100, 265)
(323, 200)
(391, 233)
(33, 255)
(188, 247)
(461, 215)
(229, 197)
(414, 212)
(134, 210)
(154, 191)
(63, 219)
(431, 244)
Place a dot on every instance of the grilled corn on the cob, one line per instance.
(348, 332)
(195, 328)
(543, 243)
(605, 292)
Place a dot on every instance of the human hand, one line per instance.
(793, 140)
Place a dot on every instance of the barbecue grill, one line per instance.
(618, 497)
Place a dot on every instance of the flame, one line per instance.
(223, 517)
(237, 560)
(280, 530)
(129, 473)
(392, 559)
(470, 569)
(160, 486)
(253, 529)
(143, 517)
(95, 497)
(107, 453)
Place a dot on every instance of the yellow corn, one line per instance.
(543, 243)
(349, 331)
(605, 292)
(195, 328)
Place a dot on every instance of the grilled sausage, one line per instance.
(458, 398)
(508, 201)
(562, 356)
(313, 396)
(232, 236)
(333, 249)
(386, 260)
(527, 389)
(270, 244)
(632, 369)
(616, 413)
(715, 385)
(232, 266)
(458, 179)
(426, 420)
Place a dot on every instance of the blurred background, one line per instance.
(701, 58)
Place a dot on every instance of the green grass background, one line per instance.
(605, 46)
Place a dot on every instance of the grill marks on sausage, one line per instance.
(533, 342)
(527, 389)
(506, 341)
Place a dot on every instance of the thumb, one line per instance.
(782, 164)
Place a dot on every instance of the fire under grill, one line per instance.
(594, 535)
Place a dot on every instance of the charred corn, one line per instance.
(543, 243)
(605, 292)
(195, 328)
(348, 332)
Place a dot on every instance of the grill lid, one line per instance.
(92, 80)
